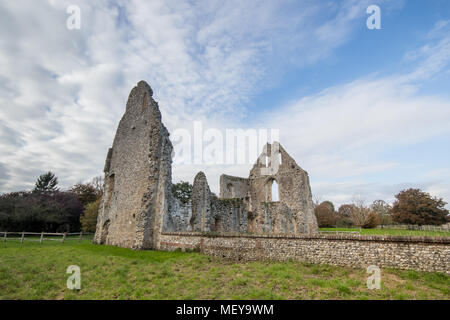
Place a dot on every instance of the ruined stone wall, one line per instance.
(278, 218)
(138, 203)
(201, 218)
(416, 253)
(229, 215)
(294, 191)
(212, 214)
(233, 187)
(178, 217)
(137, 176)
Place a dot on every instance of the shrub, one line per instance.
(89, 218)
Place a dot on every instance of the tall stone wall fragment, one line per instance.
(137, 176)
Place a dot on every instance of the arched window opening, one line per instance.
(275, 195)
(267, 161)
(230, 189)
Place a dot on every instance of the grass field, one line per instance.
(38, 271)
(392, 232)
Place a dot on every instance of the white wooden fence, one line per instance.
(443, 228)
(339, 232)
(32, 236)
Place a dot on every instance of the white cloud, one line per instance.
(63, 91)
(340, 132)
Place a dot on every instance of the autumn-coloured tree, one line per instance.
(414, 206)
(325, 214)
(372, 221)
(89, 217)
(363, 216)
(85, 192)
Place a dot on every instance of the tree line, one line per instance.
(411, 206)
(49, 209)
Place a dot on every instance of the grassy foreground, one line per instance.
(38, 271)
(392, 232)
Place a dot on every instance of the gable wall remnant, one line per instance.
(137, 176)
(295, 197)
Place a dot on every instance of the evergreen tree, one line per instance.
(46, 183)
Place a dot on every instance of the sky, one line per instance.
(366, 112)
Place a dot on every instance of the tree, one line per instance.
(46, 183)
(344, 215)
(317, 199)
(40, 211)
(85, 192)
(363, 216)
(182, 191)
(372, 221)
(89, 218)
(98, 182)
(325, 214)
(383, 211)
(414, 206)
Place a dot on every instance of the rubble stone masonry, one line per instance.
(415, 253)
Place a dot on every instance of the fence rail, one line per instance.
(338, 232)
(22, 236)
(443, 228)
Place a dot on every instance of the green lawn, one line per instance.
(38, 271)
(393, 232)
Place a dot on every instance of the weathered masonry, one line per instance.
(246, 204)
(138, 204)
(267, 215)
(137, 176)
(415, 253)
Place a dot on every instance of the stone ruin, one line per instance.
(138, 204)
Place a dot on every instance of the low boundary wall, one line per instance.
(415, 253)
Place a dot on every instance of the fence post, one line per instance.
(4, 236)
(81, 235)
(42, 237)
(64, 237)
(23, 234)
